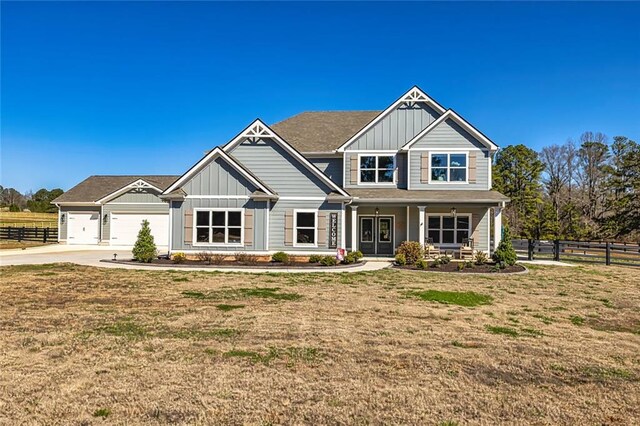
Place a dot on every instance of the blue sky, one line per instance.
(145, 88)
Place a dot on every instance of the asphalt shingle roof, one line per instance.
(94, 188)
(322, 131)
(391, 195)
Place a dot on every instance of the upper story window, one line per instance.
(218, 226)
(376, 168)
(449, 167)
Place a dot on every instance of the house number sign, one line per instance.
(333, 230)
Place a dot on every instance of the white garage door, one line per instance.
(83, 228)
(125, 228)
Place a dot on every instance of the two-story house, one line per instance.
(318, 181)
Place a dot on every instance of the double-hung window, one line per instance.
(449, 167)
(218, 226)
(305, 227)
(443, 229)
(377, 168)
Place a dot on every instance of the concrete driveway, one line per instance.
(92, 256)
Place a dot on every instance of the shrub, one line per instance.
(412, 251)
(445, 259)
(145, 248)
(246, 258)
(505, 252)
(358, 254)
(469, 264)
(481, 258)
(421, 264)
(315, 258)
(280, 257)
(401, 259)
(460, 266)
(217, 258)
(328, 261)
(179, 257)
(14, 208)
(350, 258)
(204, 256)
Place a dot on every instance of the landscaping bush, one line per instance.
(280, 257)
(481, 258)
(145, 248)
(217, 258)
(358, 254)
(179, 257)
(204, 256)
(328, 261)
(401, 259)
(505, 252)
(246, 258)
(351, 257)
(422, 264)
(460, 266)
(412, 251)
(315, 258)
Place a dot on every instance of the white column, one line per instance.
(354, 228)
(343, 228)
(408, 228)
(421, 223)
(497, 227)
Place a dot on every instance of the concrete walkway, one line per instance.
(92, 256)
(546, 263)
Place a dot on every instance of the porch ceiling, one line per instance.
(394, 195)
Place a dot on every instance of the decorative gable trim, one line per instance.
(412, 97)
(138, 184)
(451, 114)
(259, 130)
(206, 160)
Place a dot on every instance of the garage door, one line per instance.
(125, 228)
(83, 228)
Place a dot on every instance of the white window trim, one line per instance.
(295, 228)
(455, 229)
(375, 154)
(226, 234)
(448, 181)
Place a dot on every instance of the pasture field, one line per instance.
(81, 345)
(28, 219)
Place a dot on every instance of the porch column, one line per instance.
(354, 228)
(421, 223)
(497, 227)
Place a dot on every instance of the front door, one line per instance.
(376, 235)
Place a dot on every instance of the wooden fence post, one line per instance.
(529, 249)
(556, 250)
(607, 256)
(46, 235)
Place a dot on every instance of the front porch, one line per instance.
(377, 229)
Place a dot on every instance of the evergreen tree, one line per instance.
(516, 174)
(145, 248)
(505, 253)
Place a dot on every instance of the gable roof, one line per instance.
(97, 187)
(414, 95)
(217, 151)
(322, 131)
(259, 130)
(451, 114)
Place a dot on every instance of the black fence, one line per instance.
(46, 235)
(606, 252)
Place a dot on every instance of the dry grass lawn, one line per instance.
(79, 345)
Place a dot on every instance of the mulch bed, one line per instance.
(233, 264)
(476, 269)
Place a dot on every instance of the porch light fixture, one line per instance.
(63, 216)
(105, 218)
(377, 211)
(453, 211)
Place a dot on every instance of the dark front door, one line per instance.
(376, 235)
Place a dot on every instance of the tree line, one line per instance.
(40, 202)
(576, 191)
